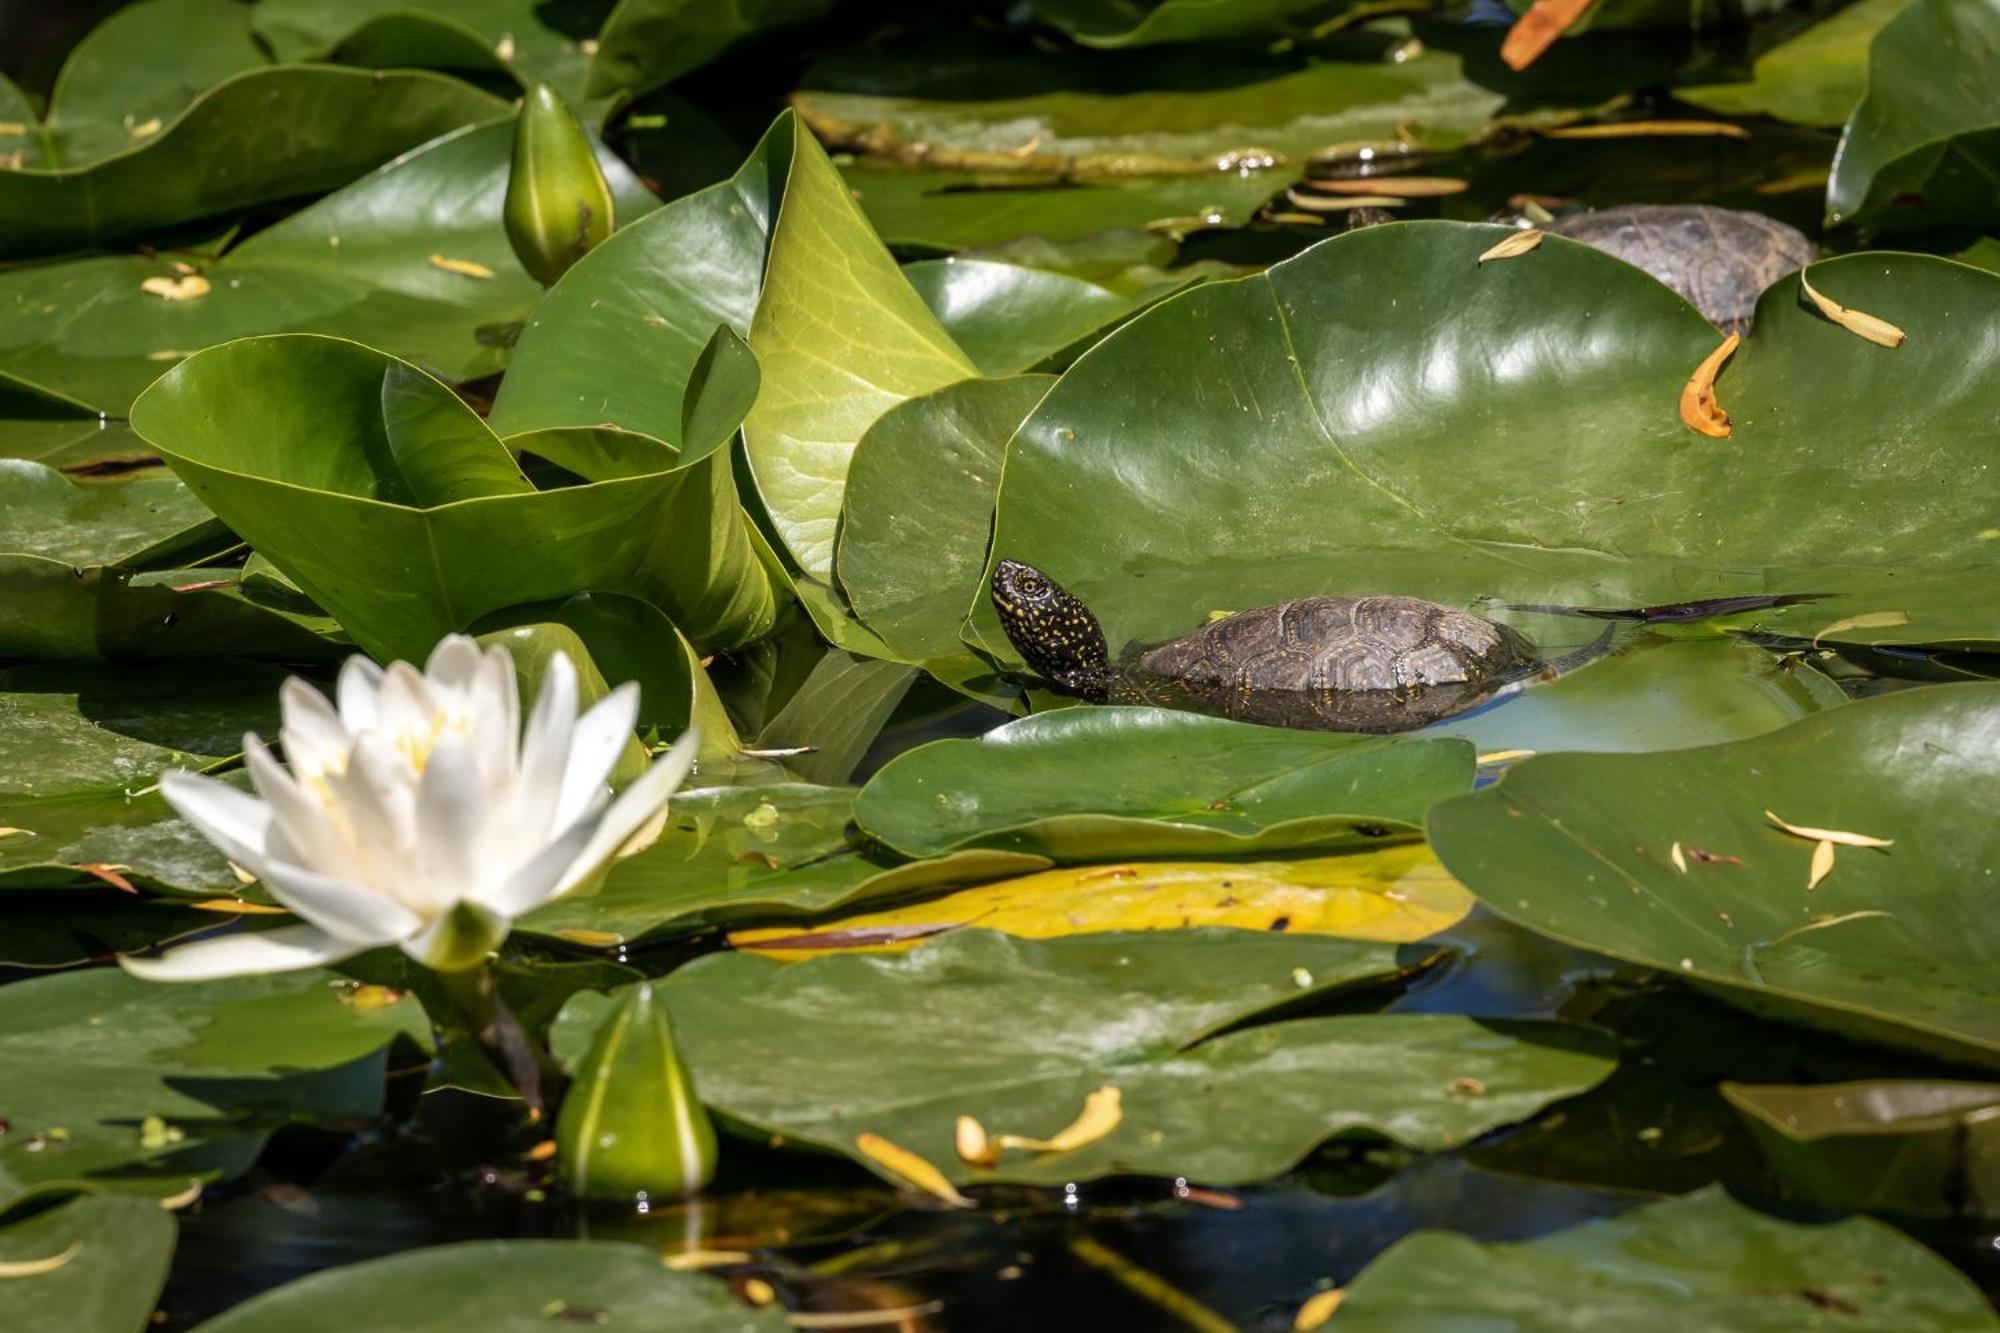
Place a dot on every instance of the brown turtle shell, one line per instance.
(1720, 260)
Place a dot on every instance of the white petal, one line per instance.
(351, 912)
(452, 664)
(235, 821)
(545, 751)
(406, 708)
(315, 740)
(286, 949)
(601, 736)
(301, 827)
(634, 806)
(546, 873)
(378, 794)
(360, 682)
(496, 720)
(451, 818)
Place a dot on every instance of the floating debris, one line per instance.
(1699, 410)
(1518, 244)
(1878, 331)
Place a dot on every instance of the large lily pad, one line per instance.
(1016, 1032)
(1924, 144)
(88, 1057)
(358, 263)
(262, 135)
(1816, 78)
(389, 502)
(1107, 23)
(1082, 784)
(1580, 847)
(645, 43)
(151, 518)
(521, 39)
(1701, 1261)
(505, 1286)
(119, 1251)
(1384, 414)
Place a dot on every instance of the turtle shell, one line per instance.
(1720, 260)
(1339, 663)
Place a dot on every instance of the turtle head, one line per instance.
(1054, 633)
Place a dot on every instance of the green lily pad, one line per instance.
(1009, 318)
(645, 43)
(836, 714)
(1084, 784)
(909, 571)
(89, 1057)
(734, 854)
(119, 1251)
(1924, 145)
(1379, 413)
(1816, 78)
(1113, 24)
(149, 519)
(1580, 848)
(503, 1286)
(261, 135)
(521, 39)
(1702, 1261)
(1017, 1032)
(1898, 1146)
(384, 497)
(358, 263)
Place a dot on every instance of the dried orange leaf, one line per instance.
(1872, 620)
(1102, 1110)
(1822, 864)
(1680, 861)
(1859, 322)
(1839, 836)
(912, 1169)
(1518, 244)
(1699, 410)
(469, 268)
(176, 289)
(1533, 32)
(973, 1145)
(1631, 129)
(693, 1261)
(1392, 187)
(1318, 1309)
(110, 874)
(36, 1267)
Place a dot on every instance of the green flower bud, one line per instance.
(631, 1123)
(558, 203)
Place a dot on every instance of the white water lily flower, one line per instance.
(418, 812)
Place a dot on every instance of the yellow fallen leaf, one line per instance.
(1822, 922)
(236, 907)
(759, 1292)
(36, 1267)
(1102, 1110)
(1518, 244)
(145, 129)
(592, 939)
(1872, 620)
(1680, 861)
(1845, 839)
(1391, 187)
(1535, 30)
(6, 833)
(1318, 1309)
(1320, 203)
(1503, 756)
(173, 1203)
(1878, 331)
(176, 289)
(467, 267)
(13, 128)
(693, 1261)
(1822, 864)
(1699, 410)
(974, 1147)
(1394, 895)
(1629, 129)
(912, 1169)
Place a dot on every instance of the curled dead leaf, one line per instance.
(36, 1267)
(1536, 30)
(1859, 322)
(1680, 861)
(466, 267)
(1840, 836)
(1320, 203)
(1392, 187)
(173, 1203)
(1518, 244)
(1318, 1309)
(1699, 410)
(110, 874)
(910, 1168)
(974, 1147)
(1102, 1110)
(185, 288)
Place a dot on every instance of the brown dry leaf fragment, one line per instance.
(467, 267)
(592, 939)
(1392, 187)
(108, 873)
(973, 1145)
(1841, 836)
(1318, 1309)
(176, 289)
(1319, 203)
(1680, 862)
(542, 1151)
(203, 585)
(693, 1261)
(1707, 857)
(1699, 410)
(1102, 1110)
(36, 1267)
(1878, 331)
(1872, 620)
(1518, 244)
(1228, 1203)
(1535, 30)
(1630, 129)
(1466, 1086)
(914, 1170)
(1822, 864)
(236, 907)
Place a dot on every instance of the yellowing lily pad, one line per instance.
(1393, 895)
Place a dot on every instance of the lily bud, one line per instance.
(558, 204)
(631, 1124)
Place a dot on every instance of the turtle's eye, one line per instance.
(1033, 586)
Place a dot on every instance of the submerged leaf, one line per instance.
(1698, 406)
(1859, 322)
